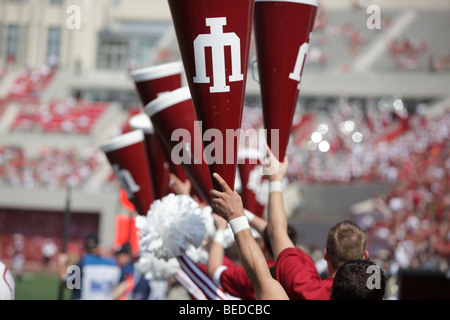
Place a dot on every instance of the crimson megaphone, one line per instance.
(282, 31)
(159, 168)
(214, 42)
(128, 158)
(152, 81)
(174, 121)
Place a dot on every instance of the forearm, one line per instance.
(62, 267)
(255, 265)
(229, 205)
(277, 222)
(119, 290)
(216, 253)
(257, 223)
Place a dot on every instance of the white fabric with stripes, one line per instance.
(197, 283)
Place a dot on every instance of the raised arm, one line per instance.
(277, 221)
(257, 223)
(216, 251)
(229, 205)
(179, 187)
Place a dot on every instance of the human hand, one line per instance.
(228, 204)
(63, 259)
(273, 169)
(200, 202)
(178, 186)
(219, 222)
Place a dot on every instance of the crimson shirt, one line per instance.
(297, 273)
(235, 281)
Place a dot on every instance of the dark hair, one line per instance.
(292, 233)
(346, 241)
(358, 280)
(125, 248)
(91, 242)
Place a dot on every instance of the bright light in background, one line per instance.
(347, 126)
(357, 137)
(324, 146)
(316, 137)
(398, 104)
(323, 129)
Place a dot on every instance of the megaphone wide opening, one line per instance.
(122, 141)
(156, 72)
(167, 100)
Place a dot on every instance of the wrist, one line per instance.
(250, 215)
(235, 214)
(275, 177)
(275, 186)
(219, 237)
(238, 224)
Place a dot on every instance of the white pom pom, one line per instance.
(209, 221)
(228, 237)
(156, 269)
(172, 224)
(228, 234)
(198, 255)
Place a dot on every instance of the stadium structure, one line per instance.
(368, 97)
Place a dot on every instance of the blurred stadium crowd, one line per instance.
(347, 141)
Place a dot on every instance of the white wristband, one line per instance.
(239, 224)
(250, 215)
(219, 236)
(275, 186)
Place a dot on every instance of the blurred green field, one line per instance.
(34, 286)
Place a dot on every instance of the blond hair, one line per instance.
(346, 241)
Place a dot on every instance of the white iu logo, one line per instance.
(217, 40)
(126, 180)
(301, 57)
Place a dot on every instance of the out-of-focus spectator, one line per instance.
(18, 255)
(49, 249)
(70, 116)
(7, 284)
(410, 226)
(99, 276)
(371, 151)
(51, 168)
(439, 64)
(30, 84)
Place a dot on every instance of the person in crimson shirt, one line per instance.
(232, 277)
(224, 272)
(295, 269)
(297, 272)
(179, 187)
(228, 204)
